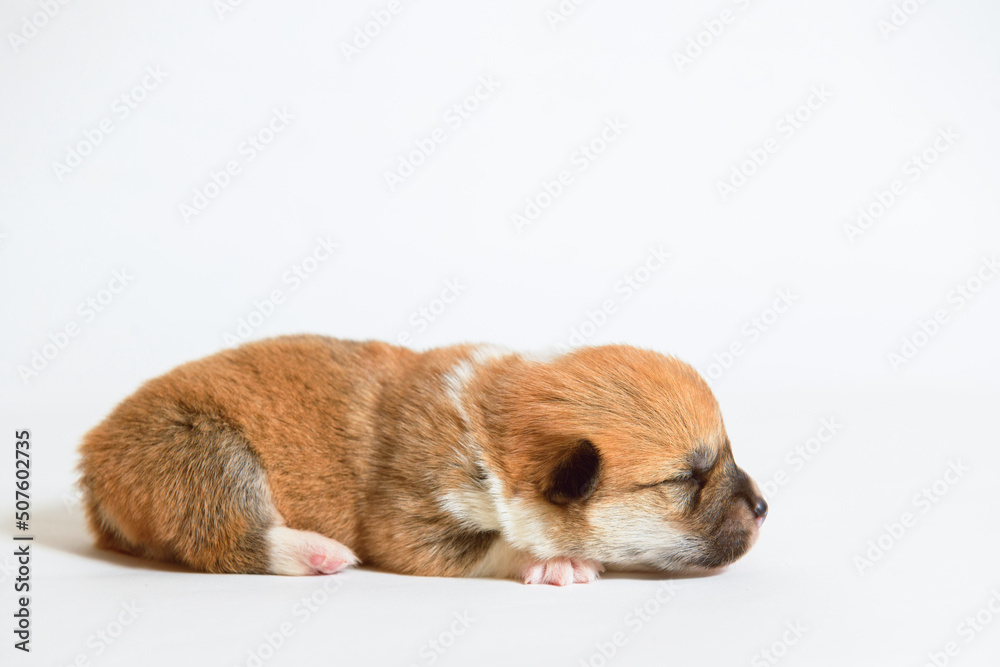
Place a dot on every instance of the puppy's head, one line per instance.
(619, 455)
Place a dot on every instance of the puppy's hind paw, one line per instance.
(300, 552)
(562, 571)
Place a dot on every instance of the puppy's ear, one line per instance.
(575, 477)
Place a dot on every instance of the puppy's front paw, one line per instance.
(562, 571)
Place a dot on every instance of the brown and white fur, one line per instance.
(305, 454)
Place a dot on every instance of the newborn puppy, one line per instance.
(305, 454)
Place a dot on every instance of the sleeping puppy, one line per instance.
(305, 455)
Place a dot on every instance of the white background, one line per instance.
(686, 127)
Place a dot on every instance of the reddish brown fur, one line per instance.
(361, 442)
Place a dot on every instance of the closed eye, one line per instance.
(686, 478)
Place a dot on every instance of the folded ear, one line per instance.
(575, 477)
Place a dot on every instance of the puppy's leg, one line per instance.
(186, 487)
(562, 571)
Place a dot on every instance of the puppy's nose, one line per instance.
(760, 511)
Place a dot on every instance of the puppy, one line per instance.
(305, 455)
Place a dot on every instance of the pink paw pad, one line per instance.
(324, 562)
(562, 571)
